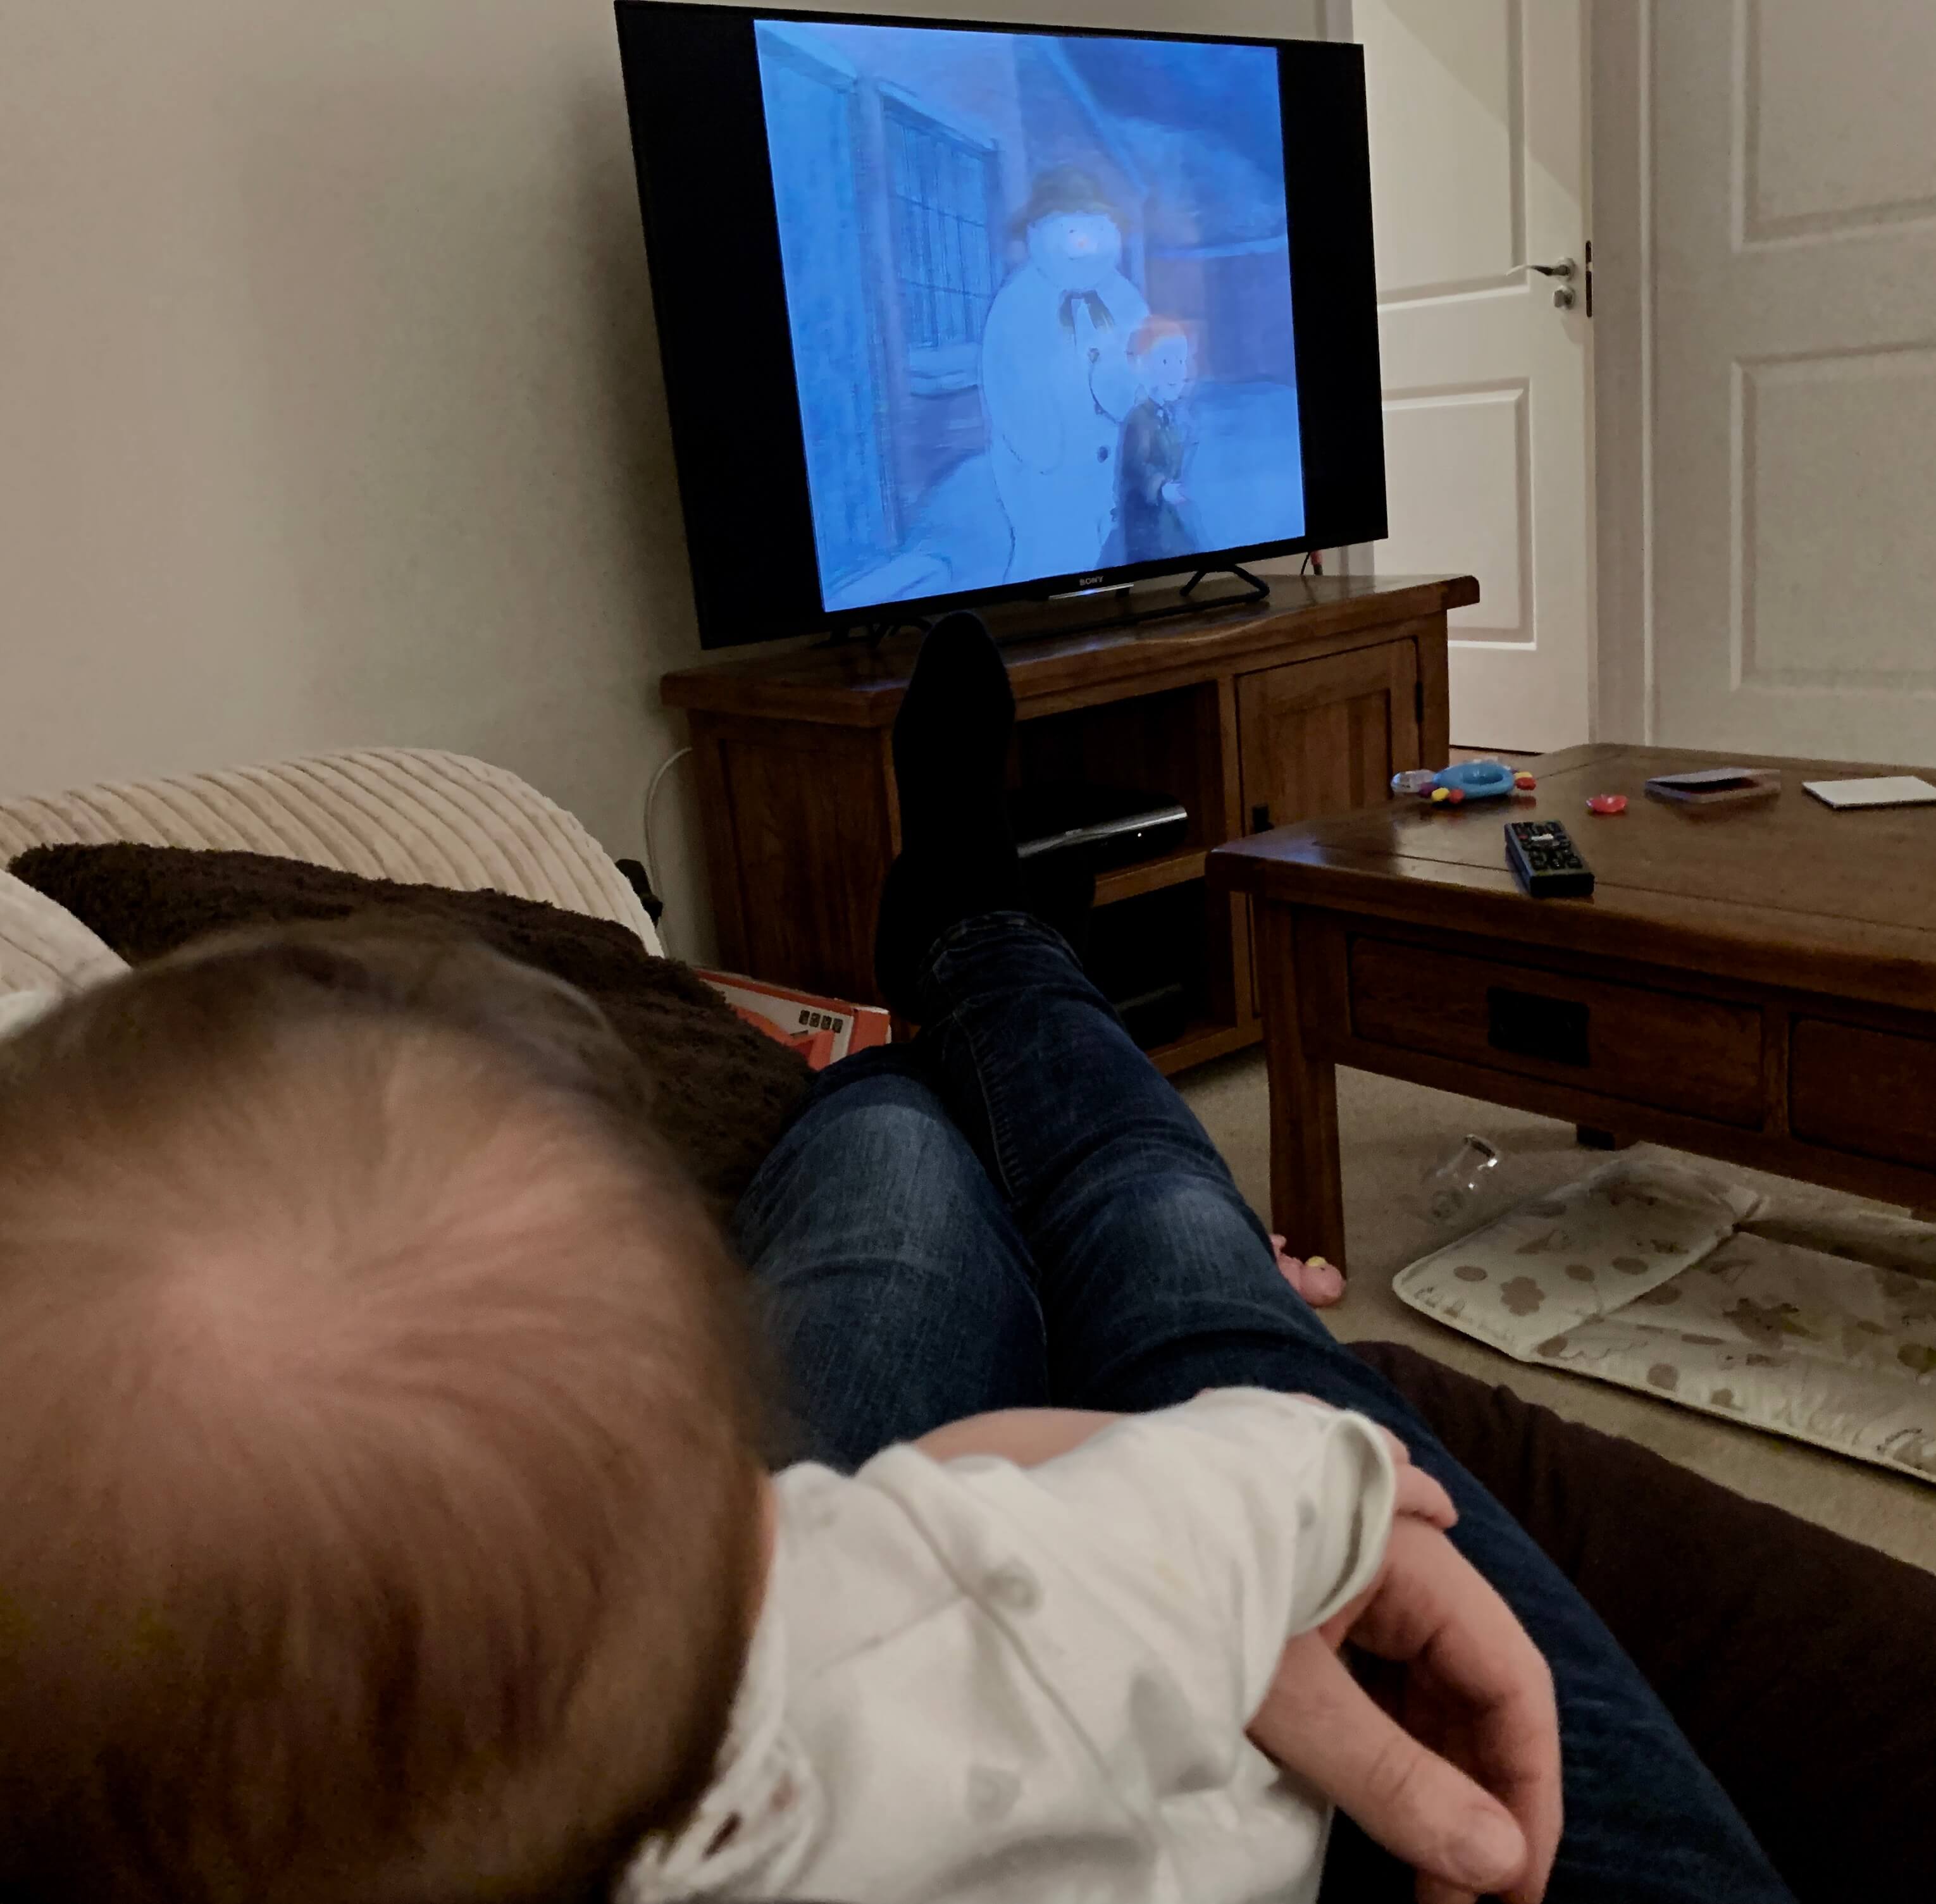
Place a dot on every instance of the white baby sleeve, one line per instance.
(1169, 1560)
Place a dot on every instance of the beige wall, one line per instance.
(330, 409)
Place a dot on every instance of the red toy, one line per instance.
(1608, 803)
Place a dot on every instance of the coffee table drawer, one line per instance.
(1871, 1093)
(1672, 1050)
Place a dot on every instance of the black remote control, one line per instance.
(1548, 864)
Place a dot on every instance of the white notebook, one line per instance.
(1894, 790)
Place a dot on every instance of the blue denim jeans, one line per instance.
(1016, 1210)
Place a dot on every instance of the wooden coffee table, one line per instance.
(1756, 983)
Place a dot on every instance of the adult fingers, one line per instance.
(1319, 1723)
(1422, 1497)
(1400, 1453)
(1517, 1737)
(1433, 1610)
(1419, 1495)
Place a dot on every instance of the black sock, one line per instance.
(1060, 890)
(957, 858)
(951, 745)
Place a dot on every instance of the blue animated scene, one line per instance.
(1039, 293)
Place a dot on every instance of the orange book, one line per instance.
(822, 1030)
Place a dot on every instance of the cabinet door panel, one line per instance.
(1316, 738)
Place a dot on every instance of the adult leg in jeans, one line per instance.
(899, 1293)
(1156, 1281)
(896, 1290)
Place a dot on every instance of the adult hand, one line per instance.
(1464, 1783)
(1419, 1495)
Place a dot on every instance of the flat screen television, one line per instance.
(950, 313)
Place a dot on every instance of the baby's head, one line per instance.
(381, 1513)
(1160, 352)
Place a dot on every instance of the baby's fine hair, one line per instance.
(379, 1489)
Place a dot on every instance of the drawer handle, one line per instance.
(1530, 1026)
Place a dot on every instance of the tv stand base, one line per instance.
(1256, 589)
(1259, 589)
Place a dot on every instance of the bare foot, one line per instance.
(1316, 1280)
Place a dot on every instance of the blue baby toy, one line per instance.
(1477, 780)
(1465, 780)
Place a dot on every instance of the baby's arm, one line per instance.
(1029, 1436)
(1490, 1821)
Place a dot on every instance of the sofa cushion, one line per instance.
(724, 1090)
(42, 946)
(406, 813)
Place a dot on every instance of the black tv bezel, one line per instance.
(699, 142)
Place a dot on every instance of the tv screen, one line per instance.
(949, 314)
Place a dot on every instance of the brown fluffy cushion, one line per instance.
(724, 1090)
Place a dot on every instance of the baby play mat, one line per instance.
(1665, 1278)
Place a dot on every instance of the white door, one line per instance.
(1793, 516)
(1478, 170)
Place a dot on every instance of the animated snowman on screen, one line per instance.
(1057, 380)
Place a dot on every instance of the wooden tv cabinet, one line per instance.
(1254, 717)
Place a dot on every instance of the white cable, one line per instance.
(651, 794)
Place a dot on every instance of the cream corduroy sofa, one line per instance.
(385, 813)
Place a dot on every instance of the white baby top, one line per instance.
(975, 1683)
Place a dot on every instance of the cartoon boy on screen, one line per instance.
(1057, 381)
(1151, 499)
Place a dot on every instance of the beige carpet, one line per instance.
(1391, 1134)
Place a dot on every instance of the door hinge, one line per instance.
(1418, 702)
(1590, 277)
(1261, 819)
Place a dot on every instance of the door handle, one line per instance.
(1566, 296)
